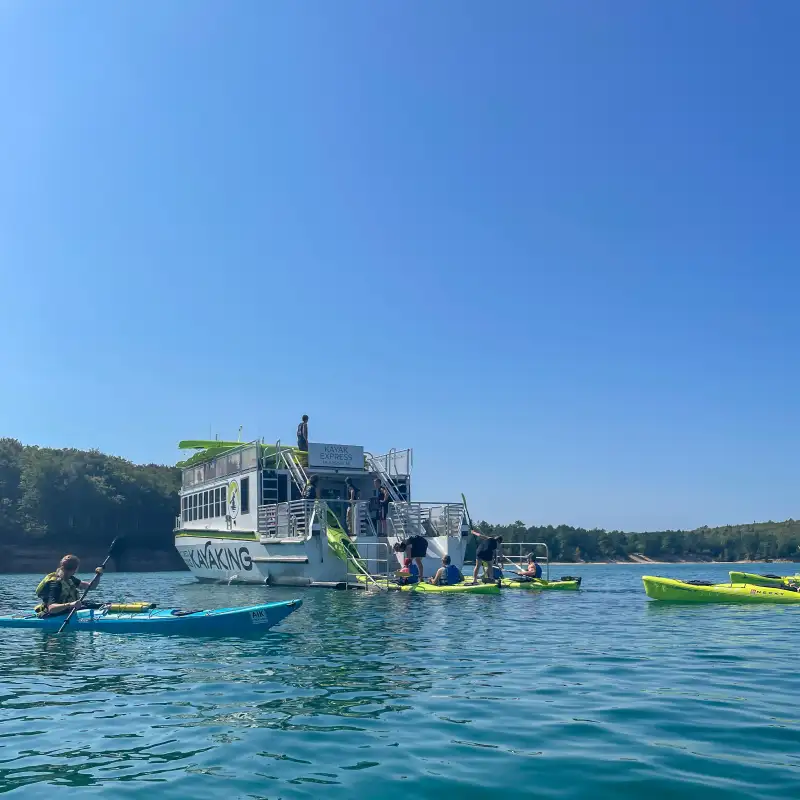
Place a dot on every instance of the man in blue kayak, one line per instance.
(448, 574)
(58, 591)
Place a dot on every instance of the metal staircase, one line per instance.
(295, 468)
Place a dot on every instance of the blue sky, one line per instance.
(552, 246)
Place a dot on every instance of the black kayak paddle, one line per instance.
(93, 583)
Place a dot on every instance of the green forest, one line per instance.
(757, 541)
(74, 499)
(65, 498)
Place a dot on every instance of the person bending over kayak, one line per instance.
(415, 547)
(485, 556)
(534, 569)
(58, 590)
(448, 574)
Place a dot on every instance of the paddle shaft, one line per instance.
(89, 587)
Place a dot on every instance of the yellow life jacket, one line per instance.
(69, 592)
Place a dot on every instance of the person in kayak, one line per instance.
(448, 574)
(408, 574)
(486, 555)
(58, 591)
(415, 547)
(534, 568)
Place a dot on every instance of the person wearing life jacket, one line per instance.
(408, 574)
(534, 568)
(58, 591)
(448, 574)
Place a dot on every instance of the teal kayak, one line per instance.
(240, 621)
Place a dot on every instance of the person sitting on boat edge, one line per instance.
(415, 547)
(485, 556)
(534, 569)
(448, 574)
(58, 591)
(408, 574)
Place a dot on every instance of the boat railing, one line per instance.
(372, 570)
(426, 519)
(517, 553)
(291, 520)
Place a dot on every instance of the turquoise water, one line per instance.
(599, 694)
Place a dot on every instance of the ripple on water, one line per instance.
(599, 693)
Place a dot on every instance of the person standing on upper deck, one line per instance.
(302, 434)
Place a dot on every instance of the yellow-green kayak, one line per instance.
(456, 588)
(538, 584)
(673, 591)
(778, 581)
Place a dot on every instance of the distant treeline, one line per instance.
(762, 540)
(76, 498)
(72, 499)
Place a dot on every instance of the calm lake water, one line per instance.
(600, 694)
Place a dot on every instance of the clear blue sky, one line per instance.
(553, 246)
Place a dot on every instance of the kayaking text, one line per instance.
(222, 558)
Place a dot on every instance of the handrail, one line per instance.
(528, 546)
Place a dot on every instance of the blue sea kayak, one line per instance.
(241, 621)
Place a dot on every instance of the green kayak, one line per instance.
(670, 590)
(778, 581)
(537, 584)
(466, 587)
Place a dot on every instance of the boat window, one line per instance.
(245, 495)
(183, 509)
(216, 502)
(205, 505)
(223, 501)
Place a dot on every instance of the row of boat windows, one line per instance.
(214, 503)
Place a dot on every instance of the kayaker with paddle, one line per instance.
(534, 568)
(59, 590)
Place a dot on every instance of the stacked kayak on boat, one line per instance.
(674, 591)
(243, 620)
(778, 581)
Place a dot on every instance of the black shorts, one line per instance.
(419, 547)
(486, 557)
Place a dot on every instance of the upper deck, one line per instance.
(217, 459)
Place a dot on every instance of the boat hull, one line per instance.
(295, 562)
(241, 621)
(673, 591)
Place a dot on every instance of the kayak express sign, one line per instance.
(335, 456)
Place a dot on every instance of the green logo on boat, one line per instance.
(233, 499)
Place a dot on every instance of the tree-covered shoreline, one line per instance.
(757, 541)
(58, 500)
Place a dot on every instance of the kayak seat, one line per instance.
(177, 613)
(699, 583)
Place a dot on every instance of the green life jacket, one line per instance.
(69, 592)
